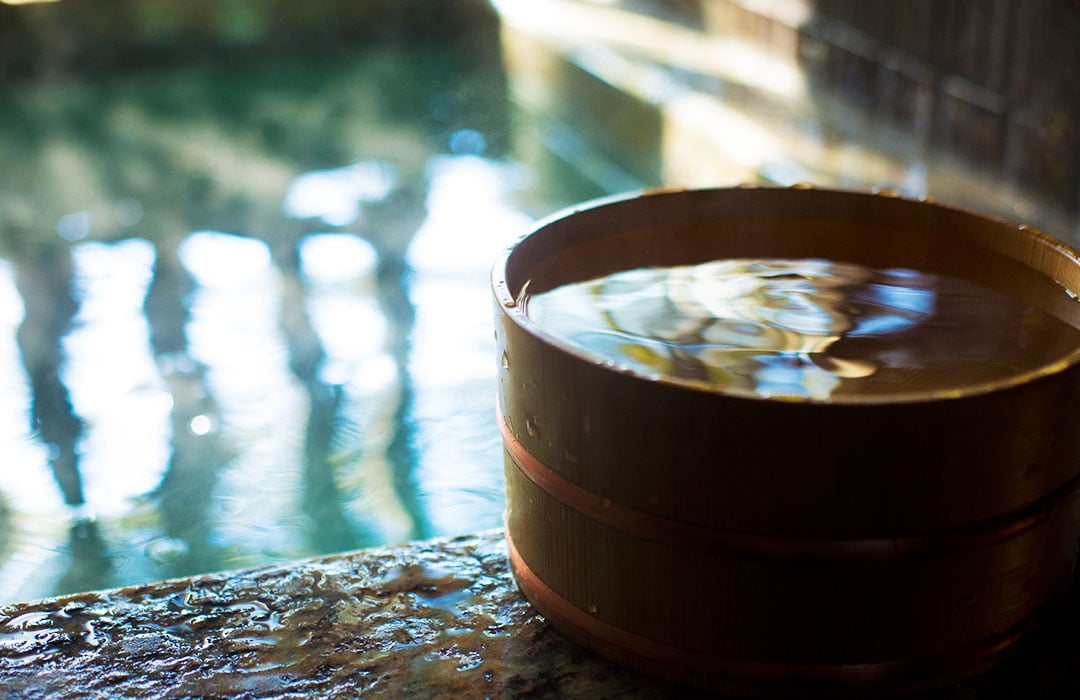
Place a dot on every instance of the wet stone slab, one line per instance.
(440, 618)
(432, 619)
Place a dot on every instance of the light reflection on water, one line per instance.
(336, 195)
(114, 385)
(454, 404)
(244, 305)
(255, 386)
(804, 329)
(242, 416)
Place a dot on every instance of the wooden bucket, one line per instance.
(787, 547)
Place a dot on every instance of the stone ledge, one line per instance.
(428, 619)
(431, 619)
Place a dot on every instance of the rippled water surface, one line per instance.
(245, 308)
(244, 255)
(811, 329)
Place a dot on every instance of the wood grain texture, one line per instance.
(806, 478)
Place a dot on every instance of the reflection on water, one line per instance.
(811, 329)
(246, 313)
(336, 195)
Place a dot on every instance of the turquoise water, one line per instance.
(245, 311)
(244, 253)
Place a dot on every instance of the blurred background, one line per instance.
(244, 244)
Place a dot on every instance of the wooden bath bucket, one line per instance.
(874, 543)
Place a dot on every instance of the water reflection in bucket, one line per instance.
(803, 329)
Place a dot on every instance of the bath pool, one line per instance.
(244, 247)
(244, 301)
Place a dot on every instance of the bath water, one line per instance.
(813, 329)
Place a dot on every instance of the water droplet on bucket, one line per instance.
(510, 303)
(530, 427)
(592, 608)
(505, 360)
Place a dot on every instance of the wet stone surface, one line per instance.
(432, 619)
(437, 618)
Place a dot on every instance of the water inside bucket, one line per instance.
(809, 328)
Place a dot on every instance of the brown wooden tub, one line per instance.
(879, 543)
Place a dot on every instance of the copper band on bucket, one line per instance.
(689, 666)
(682, 534)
